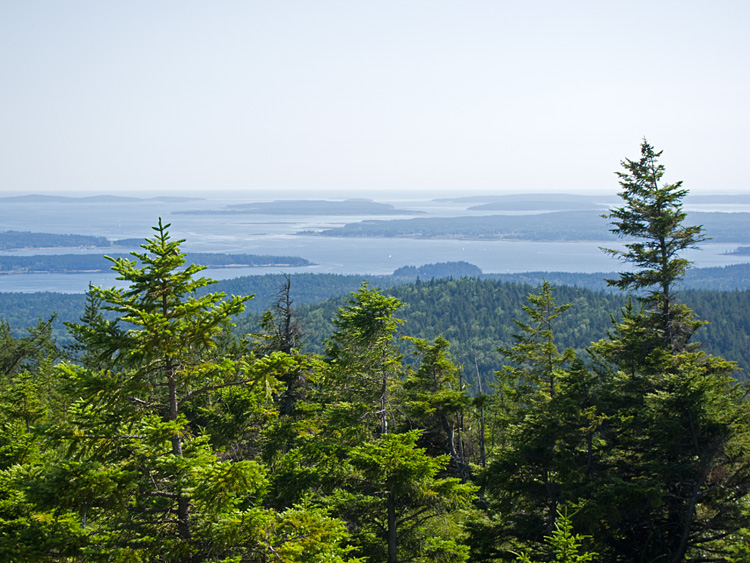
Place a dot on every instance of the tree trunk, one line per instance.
(384, 405)
(183, 503)
(482, 454)
(392, 544)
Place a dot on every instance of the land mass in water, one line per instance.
(42, 198)
(555, 226)
(307, 207)
(77, 263)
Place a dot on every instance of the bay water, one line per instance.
(276, 235)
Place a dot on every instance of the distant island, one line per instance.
(530, 202)
(80, 263)
(40, 198)
(574, 225)
(555, 226)
(21, 240)
(541, 205)
(26, 240)
(307, 207)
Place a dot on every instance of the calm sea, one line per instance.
(274, 234)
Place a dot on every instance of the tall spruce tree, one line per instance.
(434, 401)
(653, 216)
(671, 480)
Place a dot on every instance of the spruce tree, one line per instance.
(434, 401)
(140, 468)
(549, 438)
(675, 469)
(365, 362)
(652, 214)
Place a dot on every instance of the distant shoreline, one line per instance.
(100, 271)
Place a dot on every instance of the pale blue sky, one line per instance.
(361, 95)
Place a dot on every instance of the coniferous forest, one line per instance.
(163, 433)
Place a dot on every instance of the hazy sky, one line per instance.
(361, 95)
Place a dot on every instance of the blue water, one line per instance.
(274, 234)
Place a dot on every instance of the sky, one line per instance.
(357, 96)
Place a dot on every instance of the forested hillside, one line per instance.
(477, 317)
(164, 439)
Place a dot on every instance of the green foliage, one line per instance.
(549, 433)
(393, 493)
(131, 473)
(434, 401)
(565, 545)
(29, 394)
(364, 360)
(485, 308)
(164, 437)
(653, 215)
(538, 363)
(675, 469)
(672, 477)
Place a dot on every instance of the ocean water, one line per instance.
(275, 234)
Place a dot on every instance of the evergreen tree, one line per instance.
(675, 470)
(393, 495)
(537, 361)
(676, 466)
(653, 215)
(138, 472)
(281, 332)
(434, 402)
(30, 395)
(549, 438)
(365, 362)
(565, 545)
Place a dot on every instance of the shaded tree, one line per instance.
(362, 353)
(434, 401)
